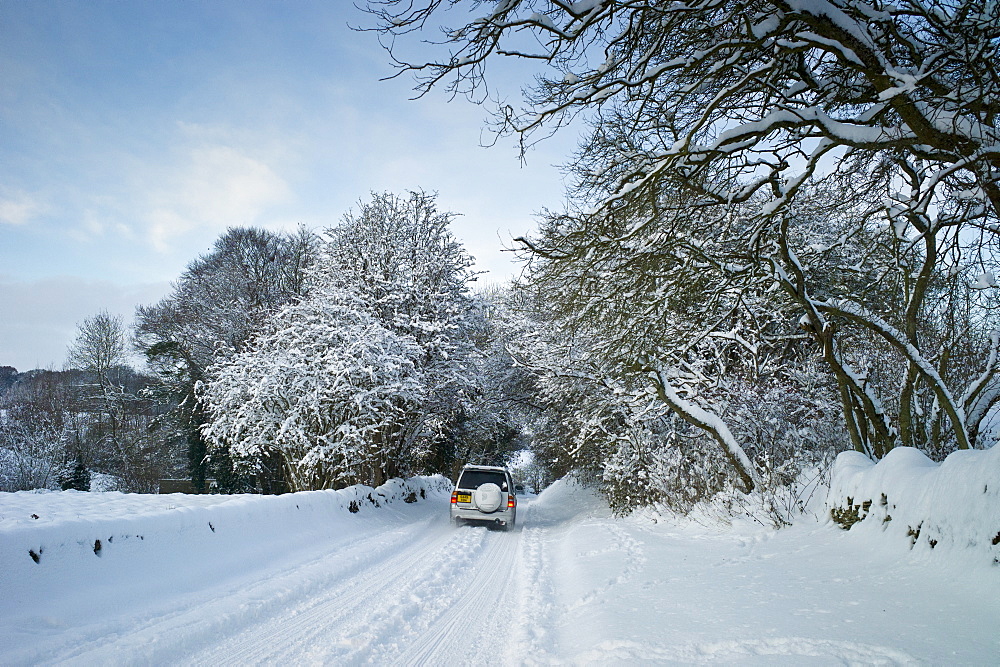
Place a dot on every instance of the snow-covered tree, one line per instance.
(33, 447)
(747, 145)
(40, 425)
(397, 254)
(326, 390)
(370, 373)
(111, 414)
(602, 417)
(217, 304)
(502, 404)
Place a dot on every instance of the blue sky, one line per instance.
(132, 133)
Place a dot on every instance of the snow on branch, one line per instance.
(709, 422)
(891, 335)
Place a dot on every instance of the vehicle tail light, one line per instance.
(454, 497)
(511, 501)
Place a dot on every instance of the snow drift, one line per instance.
(948, 507)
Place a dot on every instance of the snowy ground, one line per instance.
(300, 579)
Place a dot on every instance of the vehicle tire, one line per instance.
(487, 497)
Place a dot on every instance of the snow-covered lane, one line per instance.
(570, 585)
(434, 598)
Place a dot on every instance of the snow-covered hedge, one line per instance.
(952, 506)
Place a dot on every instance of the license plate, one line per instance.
(464, 498)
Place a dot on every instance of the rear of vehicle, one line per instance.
(485, 495)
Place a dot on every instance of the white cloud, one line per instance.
(19, 209)
(217, 186)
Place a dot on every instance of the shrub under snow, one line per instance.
(949, 506)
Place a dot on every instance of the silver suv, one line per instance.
(484, 494)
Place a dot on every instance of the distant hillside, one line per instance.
(8, 376)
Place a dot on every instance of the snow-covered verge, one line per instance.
(651, 588)
(72, 539)
(768, 506)
(952, 507)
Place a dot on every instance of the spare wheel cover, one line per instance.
(487, 497)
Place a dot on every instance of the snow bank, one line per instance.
(953, 506)
(51, 539)
(564, 500)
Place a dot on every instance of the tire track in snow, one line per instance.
(790, 650)
(335, 624)
(533, 639)
(510, 584)
(471, 618)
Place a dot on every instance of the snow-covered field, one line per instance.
(301, 579)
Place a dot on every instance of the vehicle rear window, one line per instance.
(473, 479)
